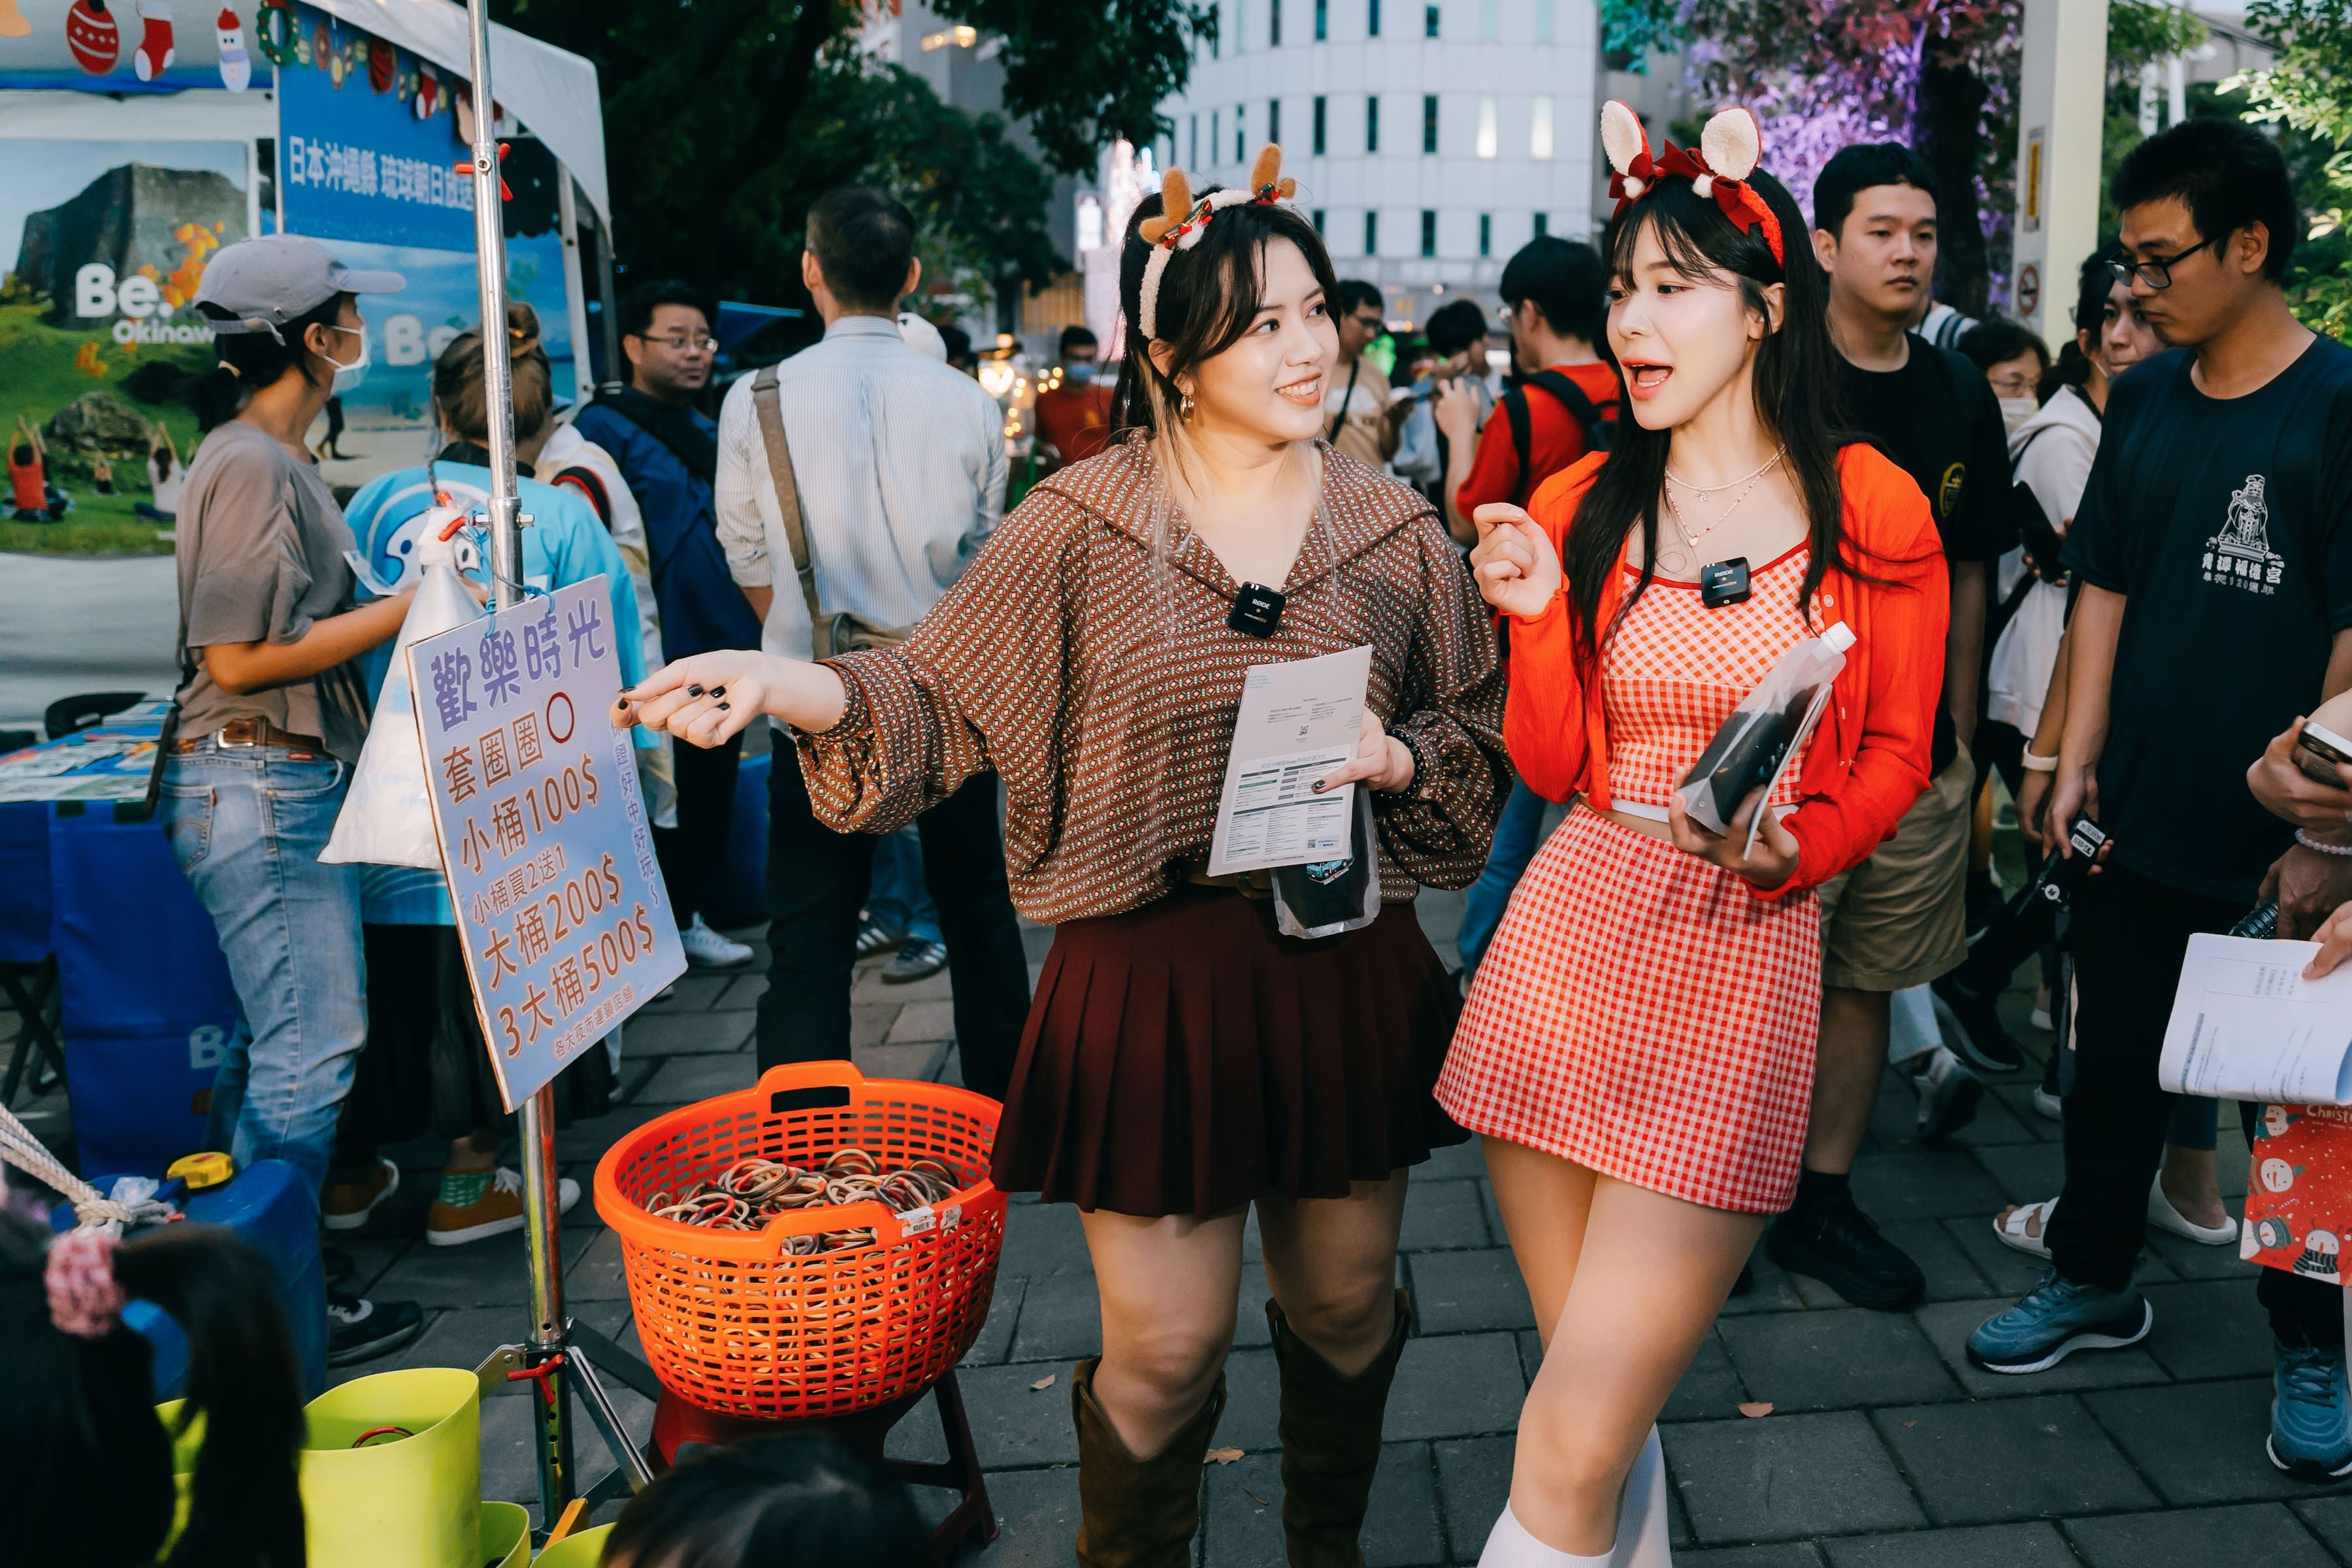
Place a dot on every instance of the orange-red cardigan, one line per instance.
(1869, 760)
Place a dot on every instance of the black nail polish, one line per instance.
(717, 692)
(723, 707)
(1318, 786)
(694, 691)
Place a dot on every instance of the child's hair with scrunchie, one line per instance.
(457, 388)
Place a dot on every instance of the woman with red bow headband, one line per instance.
(1638, 1044)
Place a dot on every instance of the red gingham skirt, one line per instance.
(1642, 1013)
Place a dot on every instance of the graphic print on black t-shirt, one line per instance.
(2227, 525)
(1937, 420)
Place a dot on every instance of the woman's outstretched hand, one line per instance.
(1516, 568)
(1773, 860)
(706, 699)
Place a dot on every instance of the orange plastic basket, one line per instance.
(731, 1323)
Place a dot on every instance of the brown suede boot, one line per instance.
(1331, 1443)
(1136, 1513)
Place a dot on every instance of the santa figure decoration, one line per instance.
(236, 64)
(91, 35)
(427, 101)
(155, 44)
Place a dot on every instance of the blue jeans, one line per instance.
(1516, 837)
(898, 898)
(247, 825)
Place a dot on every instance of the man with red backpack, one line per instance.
(1555, 294)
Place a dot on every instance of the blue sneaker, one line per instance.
(2056, 1318)
(2311, 1416)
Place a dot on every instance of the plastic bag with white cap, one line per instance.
(387, 816)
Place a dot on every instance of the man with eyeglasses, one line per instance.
(667, 452)
(1359, 420)
(2214, 549)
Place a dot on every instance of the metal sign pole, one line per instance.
(538, 1113)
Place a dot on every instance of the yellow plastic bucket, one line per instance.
(186, 1447)
(400, 1501)
(585, 1550)
(506, 1535)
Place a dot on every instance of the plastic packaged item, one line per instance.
(387, 816)
(1770, 723)
(1329, 897)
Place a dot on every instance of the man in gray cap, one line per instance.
(272, 712)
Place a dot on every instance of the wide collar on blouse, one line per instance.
(1361, 511)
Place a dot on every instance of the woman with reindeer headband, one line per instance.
(1638, 1046)
(1183, 1059)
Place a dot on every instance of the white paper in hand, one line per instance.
(387, 816)
(1299, 720)
(2246, 1025)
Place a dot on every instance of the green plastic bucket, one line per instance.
(410, 1501)
(585, 1550)
(506, 1535)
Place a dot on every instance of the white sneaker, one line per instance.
(706, 949)
(1949, 1093)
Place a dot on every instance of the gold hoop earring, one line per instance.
(1185, 407)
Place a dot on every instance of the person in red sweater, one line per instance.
(1555, 291)
(1074, 418)
(1637, 1045)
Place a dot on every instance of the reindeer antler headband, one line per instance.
(1728, 148)
(1182, 220)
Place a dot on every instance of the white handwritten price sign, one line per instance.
(566, 925)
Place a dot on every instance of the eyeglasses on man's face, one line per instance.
(2157, 270)
(682, 343)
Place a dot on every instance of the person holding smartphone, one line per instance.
(2214, 551)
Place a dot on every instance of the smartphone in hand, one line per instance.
(2318, 750)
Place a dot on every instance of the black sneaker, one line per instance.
(1972, 1027)
(873, 937)
(1839, 1247)
(360, 1329)
(917, 959)
(1985, 902)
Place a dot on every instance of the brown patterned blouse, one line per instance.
(1101, 682)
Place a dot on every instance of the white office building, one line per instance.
(1429, 141)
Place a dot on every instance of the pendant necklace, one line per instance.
(1692, 537)
(1704, 492)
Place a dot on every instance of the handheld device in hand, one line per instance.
(2318, 750)
(2062, 875)
(1722, 583)
(2261, 923)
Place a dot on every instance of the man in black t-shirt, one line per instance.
(1899, 919)
(2214, 550)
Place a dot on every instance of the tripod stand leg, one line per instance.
(598, 1406)
(623, 1368)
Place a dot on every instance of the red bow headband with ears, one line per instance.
(1728, 149)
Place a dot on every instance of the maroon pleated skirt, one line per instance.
(1187, 1058)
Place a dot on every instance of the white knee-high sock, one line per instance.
(1641, 1527)
(1510, 1546)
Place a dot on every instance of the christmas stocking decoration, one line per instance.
(155, 49)
(12, 21)
(91, 35)
(236, 64)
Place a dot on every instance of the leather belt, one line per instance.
(239, 733)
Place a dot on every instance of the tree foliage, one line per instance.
(725, 119)
(2308, 89)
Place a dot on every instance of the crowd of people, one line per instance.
(2108, 585)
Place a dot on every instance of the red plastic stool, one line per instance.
(677, 1423)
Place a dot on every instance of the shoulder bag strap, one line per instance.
(1581, 407)
(1354, 367)
(768, 403)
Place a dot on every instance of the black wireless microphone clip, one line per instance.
(1722, 583)
(1257, 610)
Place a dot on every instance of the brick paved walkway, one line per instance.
(1883, 1446)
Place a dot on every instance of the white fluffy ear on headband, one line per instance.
(1731, 143)
(1622, 138)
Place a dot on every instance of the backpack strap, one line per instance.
(1581, 408)
(768, 403)
(590, 486)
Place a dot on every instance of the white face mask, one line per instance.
(2016, 411)
(348, 375)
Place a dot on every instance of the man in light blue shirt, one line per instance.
(899, 466)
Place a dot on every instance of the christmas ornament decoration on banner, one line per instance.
(153, 56)
(93, 36)
(236, 64)
(276, 33)
(381, 65)
(1730, 146)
